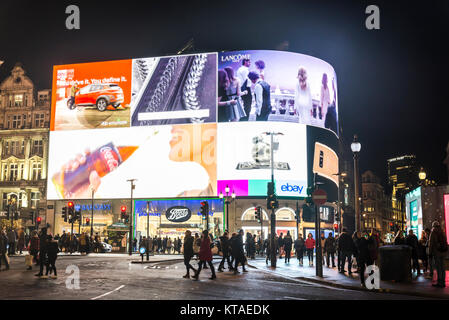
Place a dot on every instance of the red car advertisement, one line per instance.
(91, 95)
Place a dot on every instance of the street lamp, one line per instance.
(356, 147)
(228, 201)
(340, 223)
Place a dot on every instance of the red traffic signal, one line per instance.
(70, 204)
(38, 220)
(336, 226)
(123, 209)
(87, 220)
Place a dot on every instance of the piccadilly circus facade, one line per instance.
(192, 128)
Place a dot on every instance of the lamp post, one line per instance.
(148, 231)
(422, 176)
(92, 215)
(356, 147)
(130, 250)
(340, 223)
(228, 200)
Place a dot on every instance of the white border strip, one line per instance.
(202, 113)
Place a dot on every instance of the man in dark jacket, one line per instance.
(225, 248)
(188, 253)
(52, 254)
(288, 241)
(42, 252)
(280, 245)
(364, 256)
(329, 248)
(237, 251)
(299, 248)
(412, 241)
(438, 250)
(346, 246)
(3, 244)
(12, 242)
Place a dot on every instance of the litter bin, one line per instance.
(395, 263)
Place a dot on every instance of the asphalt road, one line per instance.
(106, 278)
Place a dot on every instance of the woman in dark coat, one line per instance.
(188, 253)
(364, 256)
(205, 255)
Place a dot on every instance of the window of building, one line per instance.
(37, 147)
(22, 173)
(18, 100)
(5, 172)
(13, 171)
(39, 119)
(36, 171)
(10, 100)
(35, 197)
(6, 147)
(16, 121)
(4, 200)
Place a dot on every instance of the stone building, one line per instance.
(24, 131)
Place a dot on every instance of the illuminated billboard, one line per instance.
(159, 122)
(265, 85)
(413, 208)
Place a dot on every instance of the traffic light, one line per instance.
(78, 215)
(8, 208)
(204, 208)
(31, 217)
(337, 216)
(64, 214)
(308, 213)
(391, 227)
(123, 212)
(258, 214)
(71, 208)
(87, 221)
(38, 221)
(336, 227)
(272, 202)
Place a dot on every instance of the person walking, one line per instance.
(237, 251)
(346, 247)
(3, 250)
(329, 248)
(42, 252)
(422, 250)
(21, 240)
(288, 241)
(188, 253)
(323, 247)
(252, 247)
(52, 254)
(11, 242)
(225, 249)
(310, 245)
(356, 236)
(364, 256)
(280, 243)
(267, 247)
(34, 248)
(412, 241)
(299, 249)
(438, 249)
(205, 255)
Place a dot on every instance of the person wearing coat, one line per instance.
(225, 249)
(299, 249)
(34, 248)
(329, 248)
(438, 250)
(42, 251)
(346, 248)
(52, 254)
(237, 251)
(21, 240)
(310, 245)
(3, 250)
(412, 241)
(205, 255)
(188, 253)
(364, 255)
(288, 241)
(11, 242)
(422, 250)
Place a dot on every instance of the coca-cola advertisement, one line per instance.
(168, 161)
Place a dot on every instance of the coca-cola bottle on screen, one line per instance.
(103, 160)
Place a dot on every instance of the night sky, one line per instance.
(393, 87)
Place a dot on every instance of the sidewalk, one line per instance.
(418, 287)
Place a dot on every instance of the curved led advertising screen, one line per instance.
(181, 128)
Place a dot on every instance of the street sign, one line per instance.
(319, 197)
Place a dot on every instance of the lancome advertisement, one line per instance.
(265, 85)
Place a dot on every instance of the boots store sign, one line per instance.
(178, 214)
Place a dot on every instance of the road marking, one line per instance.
(107, 293)
(294, 298)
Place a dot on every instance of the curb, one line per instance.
(350, 287)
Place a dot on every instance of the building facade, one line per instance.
(402, 175)
(24, 127)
